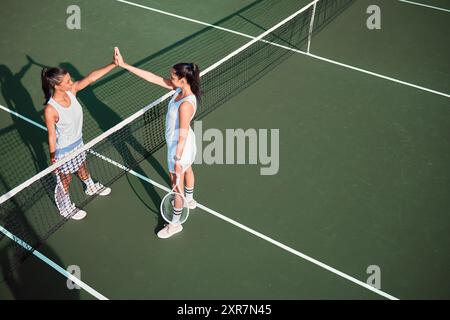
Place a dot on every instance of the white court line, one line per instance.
(139, 113)
(23, 118)
(297, 51)
(425, 5)
(184, 18)
(256, 233)
(376, 74)
(52, 264)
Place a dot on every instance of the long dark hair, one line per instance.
(51, 77)
(191, 72)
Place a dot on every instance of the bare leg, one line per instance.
(83, 172)
(65, 179)
(189, 178)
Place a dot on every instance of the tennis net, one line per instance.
(31, 212)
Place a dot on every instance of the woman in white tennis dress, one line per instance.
(180, 138)
(173, 131)
(64, 121)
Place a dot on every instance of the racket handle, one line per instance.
(178, 181)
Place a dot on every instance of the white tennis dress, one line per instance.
(69, 132)
(172, 133)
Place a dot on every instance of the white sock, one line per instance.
(176, 215)
(189, 193)
(88, 182)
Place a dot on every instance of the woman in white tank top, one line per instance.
(64, 121)
(180, 138)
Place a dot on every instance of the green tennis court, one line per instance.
(356, 205)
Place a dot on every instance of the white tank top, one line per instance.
(172, 117)
(69, 128)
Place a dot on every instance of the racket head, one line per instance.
(171, 200)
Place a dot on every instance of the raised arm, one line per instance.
(146, 75)
(24, 70)
(92, 77)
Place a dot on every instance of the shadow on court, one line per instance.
(18, 164)
(34, 279)
(116, 97)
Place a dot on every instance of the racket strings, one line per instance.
(174, 208)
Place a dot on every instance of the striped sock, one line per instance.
(176, 215)
(189, 193)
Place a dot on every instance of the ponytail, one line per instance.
(45, 86)
(191, 72)
(51, 77)
(195, 85)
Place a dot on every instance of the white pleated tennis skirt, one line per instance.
(73, 165)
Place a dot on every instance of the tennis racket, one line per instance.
(174, 206)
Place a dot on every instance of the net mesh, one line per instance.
(30, 212)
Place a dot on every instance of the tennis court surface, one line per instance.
(342, 189)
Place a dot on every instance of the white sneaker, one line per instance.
(78, 215)
(169, 230)
(192, 204)
(99, 189)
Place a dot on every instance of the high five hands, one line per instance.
(118, 59)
